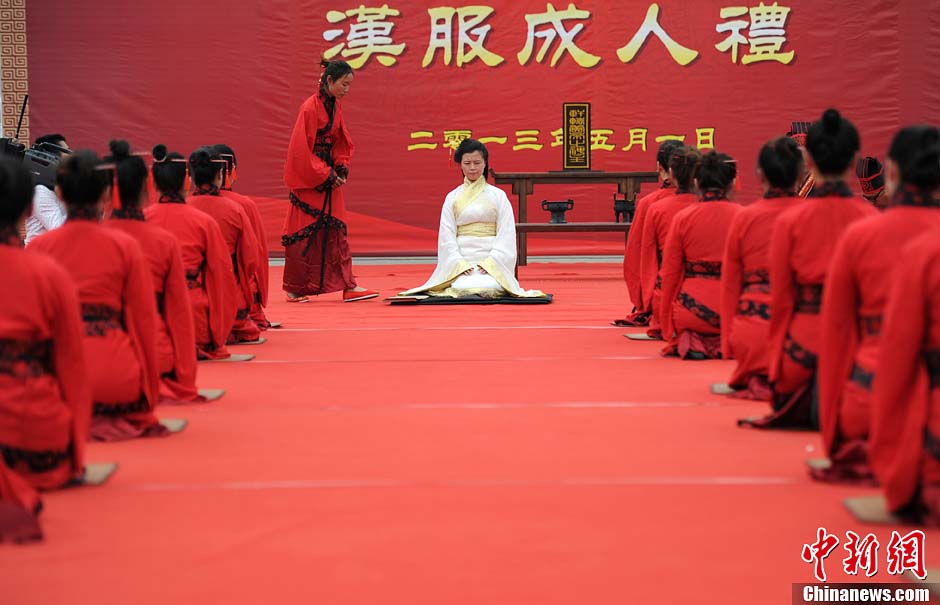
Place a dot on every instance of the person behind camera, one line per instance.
(48, 210)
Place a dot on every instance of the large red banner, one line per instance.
(717, 74)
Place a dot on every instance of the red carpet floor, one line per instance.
(446, 455)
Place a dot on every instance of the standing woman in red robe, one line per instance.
(206, 261)
(640, 316)
(176, 337)
(117, 306)
(317, 258)
(691, 271)
(682, 165)
(857, 289)
(45, 401)
(801, 248)
(259, 281)
(745, 269)
(206, 168)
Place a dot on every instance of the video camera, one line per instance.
(41, 160)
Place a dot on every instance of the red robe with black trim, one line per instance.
(856, 291)
(745, 293)
(801, 247)
(304, 173)
(120, 316)
(259, 281)
(691, 274)
(176, 336)
(208, 268)
(45, 405)
(631, 256)
(905, 421)
(655, 228)
(240, 238)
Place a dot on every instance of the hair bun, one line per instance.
(831, 120)
(159, 152)
(201, 157)
(120, 150)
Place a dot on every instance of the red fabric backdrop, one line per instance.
(187, 74)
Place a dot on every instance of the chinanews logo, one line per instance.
(855, 593)
(903, 555)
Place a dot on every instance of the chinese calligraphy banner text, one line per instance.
(728, 75)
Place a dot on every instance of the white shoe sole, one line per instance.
(365, 297)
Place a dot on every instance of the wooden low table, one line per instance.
(522, 257)
(523, 185)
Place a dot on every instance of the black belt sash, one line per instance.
(862, 377)
(101, 319)
(703, 269)
(41, 461)
(808, 298)
(757, 280)
(931, 443)
(869, 325)
(932, 359)
(800, 355)
(113, 410)
(25, 358)
(195, 278)
(699, 310)
(749, 308)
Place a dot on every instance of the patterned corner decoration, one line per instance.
(14, 80)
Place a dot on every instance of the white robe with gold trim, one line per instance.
(458, 253)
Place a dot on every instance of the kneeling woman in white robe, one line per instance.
(476, 245)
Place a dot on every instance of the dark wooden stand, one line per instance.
(523, 184)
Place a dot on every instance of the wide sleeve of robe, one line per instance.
(783, 290)
(68, 358)
(342, 145)
(303, 169)
(247, 255)
(649, 263)
(140, 316)
(262, 276)
(502, 259)
(178, 317)
(220, 282)
(839, 318)
(732, 272)
(631, 256)
(901, 391)
(673, 273)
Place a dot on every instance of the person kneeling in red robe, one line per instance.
(206, 168)
(745, 270)
(176, 337)
(640, 316)
(206, 261)
(45, 401)
(691, 270)
(117, 306)
(801, 248)
(682, 166)
(259, 281)
(857, 290)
